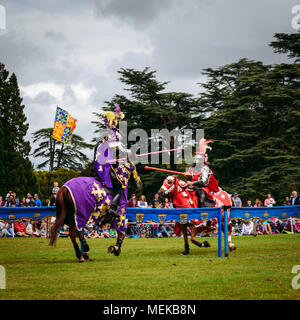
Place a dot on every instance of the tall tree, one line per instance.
(253, 116)
(288, 44)
(57, 154)
(16, 168)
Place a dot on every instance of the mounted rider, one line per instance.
(105, 152)
(201, 176)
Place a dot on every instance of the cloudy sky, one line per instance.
(67, 52)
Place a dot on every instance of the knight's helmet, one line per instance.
(111, 118)
(201, 157)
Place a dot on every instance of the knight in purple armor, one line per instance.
(105, 152)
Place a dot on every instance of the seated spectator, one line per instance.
(91, 233)
(131, 230)
(132, 203)
(10, 193)
(152, 226)
(31, 229)
(16, 199)
(258, 203)
(156, 202)
(142, 203)
(269, 201)
(6, 230)
(287, 201)
(35, 230)
(247, 228)
(164, 231)
(48, 203)
(112, 233)
(10, 201)
(2, 202)
(20, 228)
(28, 198)
(295, 199)
(105, 231)
(31, 202)
(166, 204)
(249, 203)
(37, 201)
(259, 227)
(43, 230)
(267, 227)
(237, 202)
(23, 202)
(281, 225)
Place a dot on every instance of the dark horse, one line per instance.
(183, 197)
(85, 200)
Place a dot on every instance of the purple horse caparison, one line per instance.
(85, 200)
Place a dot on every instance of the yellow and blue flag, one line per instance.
(64, 126)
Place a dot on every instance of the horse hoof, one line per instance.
(185, 253)
(81, 259)
(86, 256)
(206, 244)
(231, 246)
(110, 249)
(117, 252)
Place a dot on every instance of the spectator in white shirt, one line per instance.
(247, 228)
(142, 203)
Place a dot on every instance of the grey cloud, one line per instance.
(137, 12)
(43, 98)
(56, 36)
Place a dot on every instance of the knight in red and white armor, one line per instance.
(201, 176)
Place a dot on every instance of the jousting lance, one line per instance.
(169, 171)
(146, 154)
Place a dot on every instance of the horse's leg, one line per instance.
(194, 241)
(116, 249)
(84, 244)
(183, 228)
(72, 233)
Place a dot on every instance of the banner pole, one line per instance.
(226, 232)
(220, 233)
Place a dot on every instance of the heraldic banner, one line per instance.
(64, 126)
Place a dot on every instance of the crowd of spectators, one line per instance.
(11, 199)
(30, 228)
(24, 228)
(293, 199)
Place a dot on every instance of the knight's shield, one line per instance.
(204, 216)
(162, 218)
(139, 217)
(183, 218)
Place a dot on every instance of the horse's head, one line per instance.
(168, 186)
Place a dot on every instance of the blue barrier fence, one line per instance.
(141, 215)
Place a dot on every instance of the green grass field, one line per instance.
(260, 268)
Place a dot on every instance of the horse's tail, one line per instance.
(61, 213)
